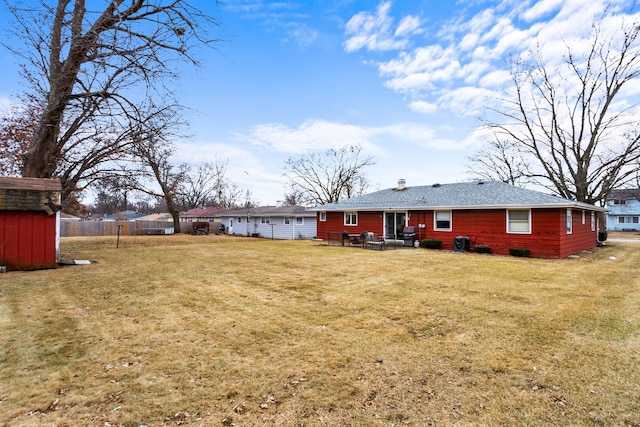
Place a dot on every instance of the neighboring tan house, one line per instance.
(201, 215)
(273, 222)
(163, 216)
(488, 213)
(192, 221)
(624, 210)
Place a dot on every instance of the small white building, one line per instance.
(272, 222)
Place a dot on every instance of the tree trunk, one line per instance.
(176, 220)
(43, 157)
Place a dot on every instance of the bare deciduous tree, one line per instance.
(499, 161)
(208, 185)
(159, 170)
(565, 122)
(17, 127)
(198, 188)
(294, 198)
(327, 177)
(95, 71)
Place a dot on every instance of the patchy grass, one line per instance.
(213, 330)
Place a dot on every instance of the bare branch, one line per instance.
(97, 72)
(328, 177)
(563, 128)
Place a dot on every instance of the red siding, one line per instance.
(367, 221)
(583, 237)
(548, 237)
(27, 240)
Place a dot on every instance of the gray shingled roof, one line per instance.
(465, 195)
(270, 210)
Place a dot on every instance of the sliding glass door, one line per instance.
(394, 223)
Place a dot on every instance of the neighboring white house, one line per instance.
(624, 210)
(273, 222)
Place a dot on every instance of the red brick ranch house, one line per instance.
(491, 213)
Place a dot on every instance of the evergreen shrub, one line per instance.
(482, 249)
(521, 252)
(431, 243)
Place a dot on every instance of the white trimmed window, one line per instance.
(265, 220)
(519, 221)
(287, 220)
(323, 216)
(569, 221)
(351, 218)
(299, 221)
(584, 217)
(442, 221)
(628, 220)
(593, 221)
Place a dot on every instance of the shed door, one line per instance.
(394, 223)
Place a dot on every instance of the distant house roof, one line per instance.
(119, 216)
(156, 217)
(69, 217)
(202, 212)
(624, 194)
(465, 195)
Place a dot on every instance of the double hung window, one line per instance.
(519, 221)
(442, 221)
(351, 218)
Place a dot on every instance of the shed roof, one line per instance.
(30, 194)
(464, 195)
(34, 184)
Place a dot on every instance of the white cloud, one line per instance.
(466, 62)
(469, 41)
(312, 135)
(254, 156)
(374, 31)
(319, 135)
(245, 167)
(466, 100)
(541, 8)
(409, 25)
(423, 107)
(420, 69)
(495, 79)
(301, 34)
(195, 152)
(477, 139)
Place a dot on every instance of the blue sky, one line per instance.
(406, 79)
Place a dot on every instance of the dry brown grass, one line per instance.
(210, 330)
(624, 234)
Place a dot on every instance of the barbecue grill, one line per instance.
(409, 235)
